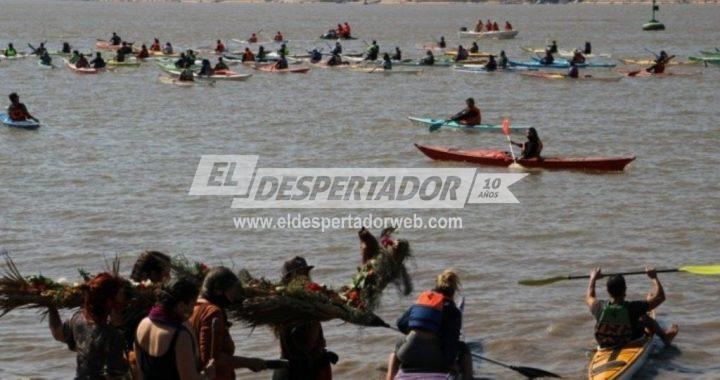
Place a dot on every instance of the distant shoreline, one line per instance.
(380, 2)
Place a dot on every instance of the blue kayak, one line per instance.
(25, 124)
(557, 64)
(435, 124)
(563, 61)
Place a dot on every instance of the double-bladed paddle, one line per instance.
(693, 269)
(529, 372)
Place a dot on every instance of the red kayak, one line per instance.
(502, 158)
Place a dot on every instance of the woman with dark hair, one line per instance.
(165, 349)
(153, 266)
(532, 147)
(92, 332)
(210, 325)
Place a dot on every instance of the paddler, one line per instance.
(168, 49)
(660, 62)
(442, 44)
(336, 60)
(553, 47)
(261, 54)
(491, 64)
(155, 45)
(431, 347)
(503, 63)
(219, 47)
(205, 68)
(66, 48)
(144, 53)
(281, 63)
(82, 62)
(283, 51)
(304, 345)
(346, 30)
(181, 62)
(429, 59)
(45, 59)
(508, 26)
(372, 52)
(74, 57)
(115, 40)
(337, 49)
(474, 48)
(10, 51)
(315, 56)
(278, 37)
(479, 26)
(126, 49)
(573, 71)
(186, 75)
(468, 116)
(221, 65)
(619, 321)
(190, 56)
(578, 58)
(548, 59)
(17, 111)
(387, 62)
(98, 63)
(532, 147)
(40, 49)
(398, 54)
(119, 56)
(253, 39)
(489, 26)
(588, 48)
(248, 55)
(462, 54)
(496, 27)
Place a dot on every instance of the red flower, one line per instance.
(313, 287)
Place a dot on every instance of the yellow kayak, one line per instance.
(452, 53)
(649, 62)
(620, 363)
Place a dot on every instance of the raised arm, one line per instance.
(657, 296)
(55, 324)
(590, 294)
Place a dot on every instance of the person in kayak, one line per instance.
(144, 53)
(205, 68)
(489, 26)
(115, 40)
(315, 56)
(479, 26)
(387, 62)
(548, 59)
(119, 56)
(155, 45)
(82, 62)
(261, 54)
(429, 59)
(248, 55)
(491, 64)
(221, 65)
(186, 75)
(619, 321)
(303, 346)
(532, 147)
(474, 48)
(219, 47)
(340, 31)
(40, 49)
(660, 62)
(181, 62)
(336, 60)
(168, 49)
(508, 26)
(469, 116)
(462, 54)
(66, 49)
(98, 63)
(281, 63)
(588, 48)
(372, 52)
(253, 39)
(398, 54)
(125, 49)
(442, 44)
(278, 37)
(283, 51)
(45, 59)
(190, 56)
(74, 57)
(553, 48)
(503, 63)
(578, 57)
(431, 345)
(337, 49)
(573, 71)
(496, 27)
(10, 51)
(17, 111)
(346, 30)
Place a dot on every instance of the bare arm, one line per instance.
(657, 296)
(137, 371)
(185, 359)
(590, 294)
(55, 324)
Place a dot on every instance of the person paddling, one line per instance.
(491, 64)
(278, 37)
(573, 71)
(98, 63)
(221, 65)
(660, 62)
(429, 59)
(66, 49)
(578, 58)
(10, 51)
(347, 33)
(119, 56)
(588, 48)
(532, 147)
(372, 52)
(248, 55)
(336, 60)
(181, 62)
(619, 321)
(17, 111)
(387, 62)
(205, 69)
(496, 27)
(398, 54)
(125, 49)
(186, 75)
(548, 59)
(283, 51)
(74, 57)
(442, 44)
(462, 54)
(219, 47)
(315, 56)
(474, 48)
(261, 54)
(155, 45)
(508, 26)
(431, 347)
(253, 39)
(45, 59)
(82, 62)
(115, 40)
(168, 49)
(282, 63)
(553, 48)
(469, 116)
(503, 63)
(144, 53)
(479, 26)
(337, 49)
(40, 50)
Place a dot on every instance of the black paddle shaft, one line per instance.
(624, 273)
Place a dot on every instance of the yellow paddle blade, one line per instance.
(701, 269)
(544, 281)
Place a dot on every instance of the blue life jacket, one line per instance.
(427, 313)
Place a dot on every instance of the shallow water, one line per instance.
(110, 170)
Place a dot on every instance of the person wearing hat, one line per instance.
(303, 346)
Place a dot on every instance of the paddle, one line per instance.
(436, 125)
(506, 132)
(529, 372)
(693, 269)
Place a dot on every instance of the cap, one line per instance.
(295, 264)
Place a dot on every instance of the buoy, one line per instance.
(654, 24)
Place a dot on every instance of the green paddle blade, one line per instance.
(701, 269)
(544, 281)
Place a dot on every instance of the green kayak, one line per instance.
(435, 124)
(167, 67)
(115, 63)
(710, 59)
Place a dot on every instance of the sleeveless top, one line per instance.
(162, 367)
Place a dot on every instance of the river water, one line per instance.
(109, 171)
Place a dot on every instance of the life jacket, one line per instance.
(279, 37)
(248, 56)
(427, 313)
(155, 46)
(16, 113)
(613, 328)
(220, 48)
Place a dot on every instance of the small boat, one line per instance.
(84, 70)
(645, 74)
(418, 63)
(571, 53)
(588, 64)
(708, 59)
(557, 64)
(434, 124)
(502, 158)
(500, 35)
(44, 66)
(549, 75)
(174, 81)
(480, 54)
(328, 36)
(128, 63)
(225, 75)
(533, 50)
(480, 69)
(25, 124)
(380, 70)
(105, 45)
(650, 62)
(289, 70)
(621, 363)
(710, 53)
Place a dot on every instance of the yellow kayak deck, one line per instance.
(620, 363)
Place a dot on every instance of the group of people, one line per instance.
(491, 26)
(342, 31)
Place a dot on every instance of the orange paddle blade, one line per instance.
(506, 127)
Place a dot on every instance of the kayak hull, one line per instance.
(74, 69)
(25, 124)
(556, 76)
(291, 70)
(621, 363)
(500, 35)
(491, 128)
(503, 159)
(380, 70)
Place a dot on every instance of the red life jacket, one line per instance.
(17, 113)
(427, 312)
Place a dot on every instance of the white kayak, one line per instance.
(24, 124)
(500, 35)
(380, 70)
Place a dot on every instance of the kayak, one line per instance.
(174, 81)
(571, 53)
(115, 63)
(435, 123)
(380, 70)
(44, 66)
(650, 62)
(25, 124)
(19, 55)
(558, 64)
(170, 66)
(503, 158)
(291, 70)
(480, 69)
(621, 363)
(710, 53)
(418, 63)
(563, 61)
(710, 59)
(87, 70)
(548, 75)
(218, 75)
(500, 35)
(105, 45)
(644, 74)
(335, 37)
(532, 50)
(481, 54)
